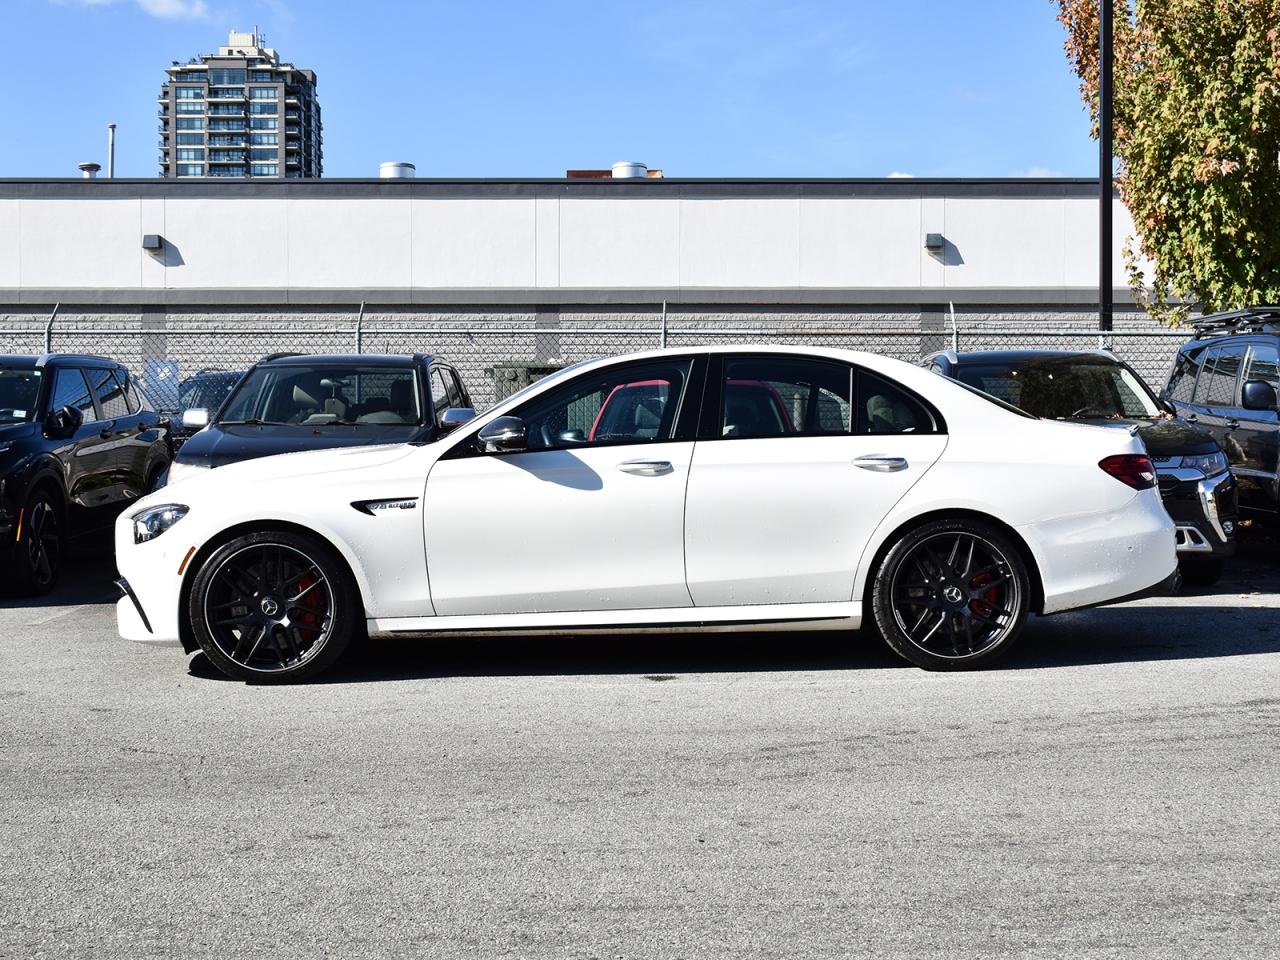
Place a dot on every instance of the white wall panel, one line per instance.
(473, 243)
(1004, 242)
(547, 242)
(80, 243)
(10, 245)
(619, 243)
(349, 243)
(740, 243)
(227, 243)
(860, 243)
(1080, 258)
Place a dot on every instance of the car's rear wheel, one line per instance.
(274, 607)
(39, 546)
(951, 595)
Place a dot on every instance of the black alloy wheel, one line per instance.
(39, 546)
(951, 595)
(274, 607)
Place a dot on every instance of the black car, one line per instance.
(78, 443)
(1098, 388)
(206, 390)
(1225, 380)
(290, 402)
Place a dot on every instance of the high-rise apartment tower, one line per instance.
(240, 113)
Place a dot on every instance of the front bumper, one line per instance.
(1204, 509)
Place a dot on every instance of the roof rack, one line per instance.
(1248, 320)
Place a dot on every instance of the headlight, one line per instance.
(181, 471)
(152, 522)
(1210, 464)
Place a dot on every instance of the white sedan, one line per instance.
(701, 489)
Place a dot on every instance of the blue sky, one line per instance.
(492, 89)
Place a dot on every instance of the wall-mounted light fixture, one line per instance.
(152, 242)
(935, 242)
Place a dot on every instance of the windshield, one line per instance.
(326, 394)
(1065, 388)
(19, 390)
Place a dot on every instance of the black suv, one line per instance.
(289, 402)
(78, 443)
(1225, 381)
(1098, 388)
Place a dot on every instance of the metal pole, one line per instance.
(955, 331)
(111, 150)
(48, 329)
(360, 328)
(662, 334)
(1104, 165)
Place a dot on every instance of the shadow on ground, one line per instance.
(1223, 621)
(86, 578)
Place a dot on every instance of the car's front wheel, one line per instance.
(274, 606)
(951, 595)
(39, 545)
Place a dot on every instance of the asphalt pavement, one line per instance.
(1109, 790)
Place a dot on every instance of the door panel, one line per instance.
(588, 528)
(87, 456)
(1216, 397)
(785, 520)
(1258, 435)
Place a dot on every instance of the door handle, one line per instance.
(881, 464)
(1191, 418)
(107, 430)
(645, 468)
(1232, 423)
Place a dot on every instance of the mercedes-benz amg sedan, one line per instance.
(733, 489)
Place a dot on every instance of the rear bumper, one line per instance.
(1106, 557)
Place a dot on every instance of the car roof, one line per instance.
(1009, 356)
(57, 359)
(352, 359)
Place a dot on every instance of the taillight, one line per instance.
(1131, 468)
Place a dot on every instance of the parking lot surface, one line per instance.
(1110, 789)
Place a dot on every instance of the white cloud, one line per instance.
(899, 175)
(1037, 173)
(164, 9)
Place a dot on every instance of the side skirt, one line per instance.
(779, 616)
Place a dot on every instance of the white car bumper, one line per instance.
(151, 583)
(1103, 557)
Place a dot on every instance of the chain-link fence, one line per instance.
(496, 355)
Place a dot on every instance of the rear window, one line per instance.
(1064, 388)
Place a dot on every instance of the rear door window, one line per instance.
(1217, 384)
(109, 393)
(784, 396)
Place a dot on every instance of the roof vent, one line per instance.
(90, 170)
(397, 170)
(629, 170)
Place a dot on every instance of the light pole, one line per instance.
(1104, 165)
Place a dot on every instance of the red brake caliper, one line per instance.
(311, 617)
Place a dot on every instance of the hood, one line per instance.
(217, 445)
(1168, 438)
(16, 431)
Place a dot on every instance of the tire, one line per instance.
(41, 545)
(951, 595)
(274, 607)
(1201, 571)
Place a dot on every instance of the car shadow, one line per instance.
(87, 577)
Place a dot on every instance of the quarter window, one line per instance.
(885, 408)
(1182, 382)
(632, 404)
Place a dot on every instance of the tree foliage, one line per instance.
(1197, 139)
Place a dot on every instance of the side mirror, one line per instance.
(197, 418)
(1258, 395)
(1167, 406)
(455, 417)
(504, 435)
(63, 424)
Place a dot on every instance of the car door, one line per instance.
(86, 456)
(798, 460)
(1217, 397)
(120, 427)
(1258, 433)
(589, 517)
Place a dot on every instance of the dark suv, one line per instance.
(78, 443)
(1100, 389)
(289, 402)
(1225, 381)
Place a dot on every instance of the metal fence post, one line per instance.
(48, 329)
(662, 333)
(360, 329)
(955, 332)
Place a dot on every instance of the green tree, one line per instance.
(1197, 140)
